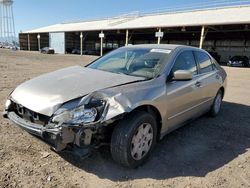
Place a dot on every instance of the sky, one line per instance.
(31, 14)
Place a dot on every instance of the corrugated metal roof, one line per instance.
(221, 16)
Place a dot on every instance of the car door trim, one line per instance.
(191, 108)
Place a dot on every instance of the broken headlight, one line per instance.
(86, 113)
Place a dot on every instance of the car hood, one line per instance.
(46, 93)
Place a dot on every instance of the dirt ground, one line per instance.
(209, 152)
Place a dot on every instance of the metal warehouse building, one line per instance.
(225, 30)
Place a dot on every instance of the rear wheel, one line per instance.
(133, 139)
(215, 109)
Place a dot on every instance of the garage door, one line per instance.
(57, 41)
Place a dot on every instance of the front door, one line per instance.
(183, 97)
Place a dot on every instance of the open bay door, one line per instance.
(57, 41)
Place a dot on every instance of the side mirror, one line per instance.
(182, 75)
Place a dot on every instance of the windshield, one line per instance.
(135, 62)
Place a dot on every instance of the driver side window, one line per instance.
(185, 61)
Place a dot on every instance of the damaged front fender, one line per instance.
(116, 104)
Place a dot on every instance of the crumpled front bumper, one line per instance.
(59, 137)
(30, 127)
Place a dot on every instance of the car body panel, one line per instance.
(182, 96)
(44, 94)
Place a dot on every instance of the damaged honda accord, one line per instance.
(129, 99)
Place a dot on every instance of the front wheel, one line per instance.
(215, 109)
(133, 139)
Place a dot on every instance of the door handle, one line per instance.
(198, 84)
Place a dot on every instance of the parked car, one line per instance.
(47, 50)
(15, 48)
(68, 50)
(241, 61)
(141, 93)
(76, 51)
(90, 52)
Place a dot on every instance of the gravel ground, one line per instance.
(209, 152)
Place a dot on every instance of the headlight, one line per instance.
(76, 116)
(84, 113)
(7, 104)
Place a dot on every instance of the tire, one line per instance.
(215, 109)
(128, 145)
(246, 64)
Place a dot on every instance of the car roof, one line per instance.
(239, 56)
(161, 46)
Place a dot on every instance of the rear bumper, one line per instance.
(57, 138)
(235, 64)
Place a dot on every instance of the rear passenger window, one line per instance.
(205, 62)
(185, 61)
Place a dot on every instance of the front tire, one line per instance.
(215, 109)
(133, 139)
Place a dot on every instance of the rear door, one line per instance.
(208, 78)
(183, 97)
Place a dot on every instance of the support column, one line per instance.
(29, 42)
(101, 47)
(126, 43)
(81, 36)
(39, 41)
(202, 36)
(159, 38)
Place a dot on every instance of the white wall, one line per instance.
(57, 41)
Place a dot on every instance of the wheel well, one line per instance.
(153, 111)
(223, 91)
